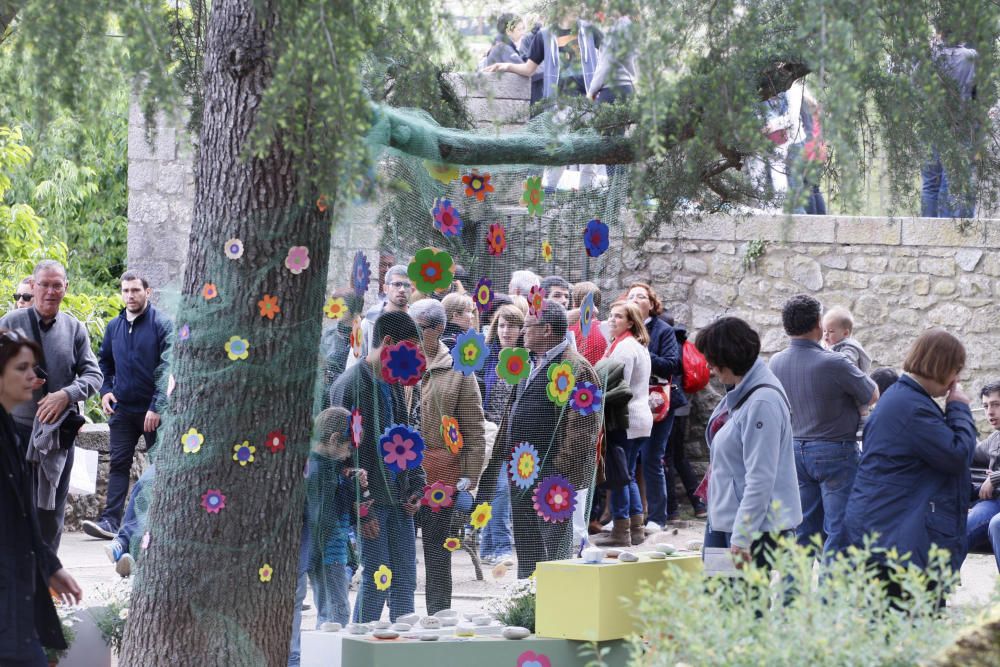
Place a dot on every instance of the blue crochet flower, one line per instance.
(595, 238)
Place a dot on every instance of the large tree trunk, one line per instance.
(198, 598)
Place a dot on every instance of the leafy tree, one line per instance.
(283, 122)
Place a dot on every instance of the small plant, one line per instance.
(755, 250)
(842, 617)
(112, 621)
(517, 607)
(67, 618)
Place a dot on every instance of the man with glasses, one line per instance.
(564, 438)
(71, 374)
(23, 295)
(397, 300)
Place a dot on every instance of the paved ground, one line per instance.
(85, 558)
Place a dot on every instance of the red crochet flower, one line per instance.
(275, 441)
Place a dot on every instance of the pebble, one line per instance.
(411, 635)
(428, 638)
(449, 621)
(412, 619)
(593, 555)
(693, 545)
(499, 571)
(401, 627)
(465, 630)
(330, 627)
(357, 628)
(382, 625)
(666, 548)
(655, 555)
(613, 553)
(481, 620)
(627, 557)
(515, 632)
(447, 613)
(385, 634)
(430, 622)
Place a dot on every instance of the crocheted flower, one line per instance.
(587, 314)
(213, 501)
(403, 363)
(275, 441)
(209, 291)
(265, 573)
(536, 300)
(356, 430)
(452, 544)
(524, 465)
(451, 435)
(477, 185)
(237, 348)
(561, 383)
(496, 239)
(546, 251)
(513, 364)
(595, 238)
(321, 204)
(268, 306)
(297, 260)
(234, 248)
(431, 270)
(446, 218)
(438, 495)
(335, 308)
(357, 337)
(403, 448)
(587, 398)
(469, 353)
(383, 578)
(481, 515)
(184, 332)
(192, 441)
(445, 173)
(554, 499)
(533, 195)
(243, 453)
(483, 294)
(361, 273)
(532, 659)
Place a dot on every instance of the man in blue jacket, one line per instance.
(132, 358)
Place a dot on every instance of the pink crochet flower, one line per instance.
(298, 259)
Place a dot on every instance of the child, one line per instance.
(330, 492)
(120, 549)
(838, 327)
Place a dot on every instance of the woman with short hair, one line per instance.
(913, 479)
(460, 312)
(28, 566)
(753, 489)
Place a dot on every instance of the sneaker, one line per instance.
(115, 550)
(700, 511)
(125, 565)
(101, 529)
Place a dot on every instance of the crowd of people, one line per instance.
(519, 429)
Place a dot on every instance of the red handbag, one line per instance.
(659, 401)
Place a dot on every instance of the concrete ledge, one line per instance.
(495, 110)
(869, 231)
(500, 86)
(786, 228)
(944, 232)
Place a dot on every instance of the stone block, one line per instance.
(497, 110)
(943, 267)
(943, 287)
(921, 285)
(727, 267)
(711, 227)
(866, 264)
(942, 232)
(162, 145)
(784, 228)
(902, 264)
(869, 309)
(774, 340)
(992, 234)
(806, 272)
(174, 177)
(709, 293)
(968, 258)
(772, 266)
(142, 175)
(868, 231)
(695, 265)
(833, 261)
(974, 286)
(950, 315)
(889, 284)
(499, 85)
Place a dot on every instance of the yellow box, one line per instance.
(583, 601)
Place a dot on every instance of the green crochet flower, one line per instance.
(431, 270)
(533, 195)
(513, 365)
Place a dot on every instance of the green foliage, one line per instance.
(843, 617)
(517, 608)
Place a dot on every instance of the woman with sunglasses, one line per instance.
(28, 567)
(24, 295)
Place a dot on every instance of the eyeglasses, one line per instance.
(401, 285)
(528, 326)
(26, 296)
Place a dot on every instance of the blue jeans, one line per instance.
(125, 429)
(626, 501)
(935, 201)
(984, 526)
(395, 547)
(330, 583)
(653, 450)
(137, 509)
(296, 646)
(498, 534)
(826, 476)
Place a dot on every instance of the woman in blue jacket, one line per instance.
(913, 480)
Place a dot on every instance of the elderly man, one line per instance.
(563, 439)
(445, 393)
(49, 423)
(521, 283)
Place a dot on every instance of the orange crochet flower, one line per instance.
(268, 306)
(209, 291)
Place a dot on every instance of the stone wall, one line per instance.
(95, 437)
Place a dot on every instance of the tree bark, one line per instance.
(420, 139)
(198, 598)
